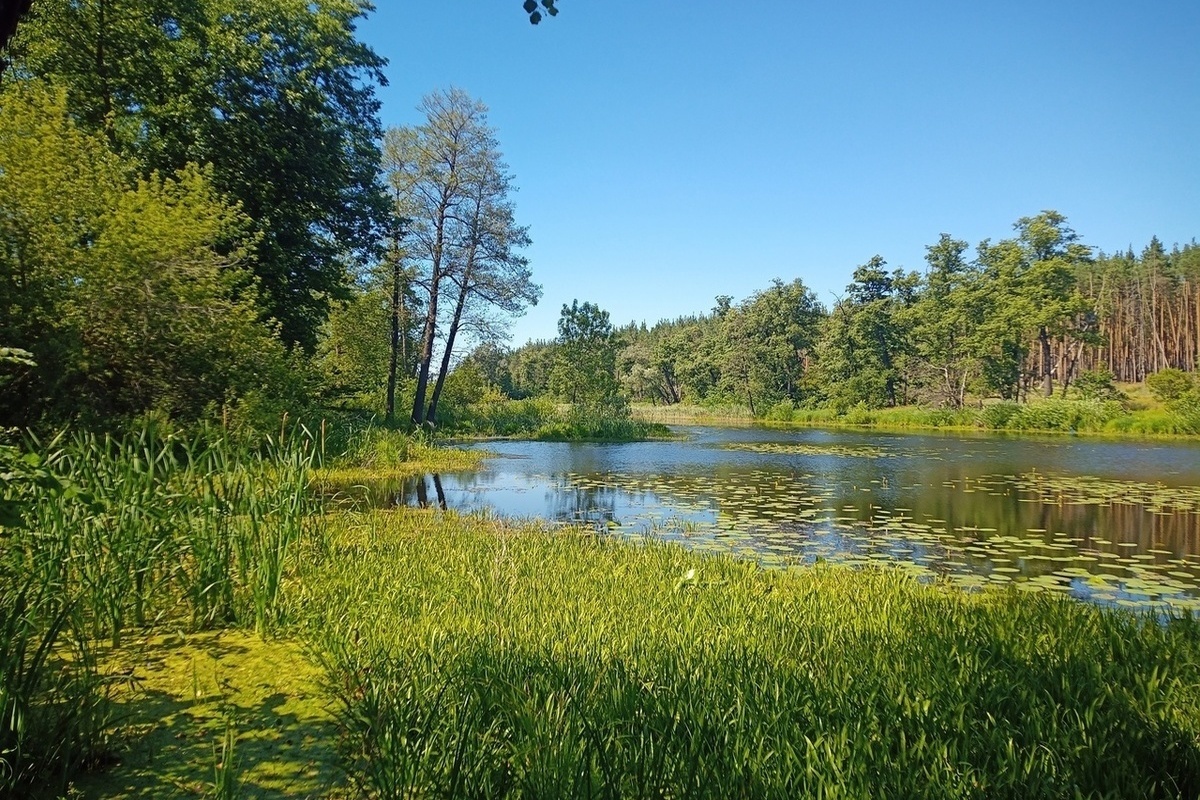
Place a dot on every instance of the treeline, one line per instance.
(201, 217)
(1027, 316)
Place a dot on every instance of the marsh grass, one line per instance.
(379, 459)
(52, 701)
(152, 527)
(544, 420)
(1045, 415)
(690, 414)
(599, 423)
(477, 658)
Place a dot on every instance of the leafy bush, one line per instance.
(1170, 384)
(780, 412)
(1098, 385)
(858, 414)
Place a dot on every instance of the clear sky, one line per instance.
(669, 152)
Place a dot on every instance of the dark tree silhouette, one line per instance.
(11, 12)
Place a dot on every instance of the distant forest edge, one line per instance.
(1038, 314)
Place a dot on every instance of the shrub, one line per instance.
(1170, 384)
(780, 412)
(998, 416)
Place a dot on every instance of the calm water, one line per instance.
(1109, 521)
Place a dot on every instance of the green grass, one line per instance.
(688, 414)
(1046, 415)
(475, 658)
(122, 534)
(544, 420)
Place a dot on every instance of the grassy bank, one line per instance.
(374, 456)
(544, 420)
(1051, 415)
(157, 588)
(473, 658)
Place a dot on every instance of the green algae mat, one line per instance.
(182, 699)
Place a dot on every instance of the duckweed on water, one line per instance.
(473, 657)
(799, 449)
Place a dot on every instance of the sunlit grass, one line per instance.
(473, 657)
(149, 529)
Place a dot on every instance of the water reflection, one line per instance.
(975, 510)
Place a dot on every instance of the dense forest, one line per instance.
(1023, 317)
(201, 217)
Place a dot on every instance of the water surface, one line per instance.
(1115, 522)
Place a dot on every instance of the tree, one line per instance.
(585, 359)
(1047, 283)
(449, 182)
(531, 367)
(783, 322)
(277, 95)
(132, 295)
(12, 13)
(944, 320)
(492, 275)
(865, 343)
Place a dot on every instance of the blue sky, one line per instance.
(669, 152)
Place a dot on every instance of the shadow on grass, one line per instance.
(190, 692)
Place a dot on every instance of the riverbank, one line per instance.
(414, 652)
(1047, 416)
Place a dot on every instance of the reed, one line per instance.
(125, 532)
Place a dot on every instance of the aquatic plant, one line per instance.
(133, 530)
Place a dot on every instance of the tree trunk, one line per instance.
(394, 359)
(451, 334)
(427, 337)
(430, 332)
(1047, 377)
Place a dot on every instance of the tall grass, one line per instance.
(53, 714)
(471, 657)
(132, 530)
(545, 420)
(1045, 415)
(159, 518)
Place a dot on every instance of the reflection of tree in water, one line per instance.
(568, 502)
(414, 491)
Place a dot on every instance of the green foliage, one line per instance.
(53, 715)
(585, 357)
(495, 416)
(999, 415)
(598, 424)
(1170, 385)
(708, 677)
(159, 517)
(352, 355)
(765, 344)
(865, 343)
(120, 533)
(131, 296)
(1098, 385)
(276, 95)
